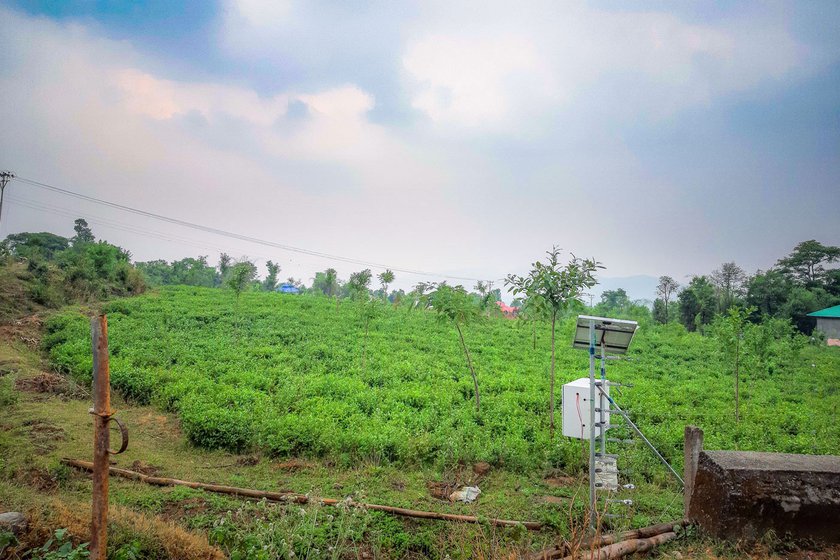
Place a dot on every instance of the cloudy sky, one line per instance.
(457, 138)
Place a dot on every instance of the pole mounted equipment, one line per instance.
(5, 177)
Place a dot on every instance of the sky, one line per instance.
(456, 138)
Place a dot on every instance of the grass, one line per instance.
(299, 356)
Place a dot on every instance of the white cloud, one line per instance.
(468, 79)
(503, 65)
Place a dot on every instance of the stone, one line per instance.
(13, 521)
(741, 495)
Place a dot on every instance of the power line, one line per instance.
(237, 236)
(146, 232)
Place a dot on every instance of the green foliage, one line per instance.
(326, 283)
(83, 232)
(454, 304)
(385, 278)
(358, 287)
(698, 303)
(291, 383)
(240, 276)
(8, 395)
(554, 285)
(806, 264)
(59, 273)
(60, 547)
(187, 272)
(40, 246)
(270, 282)
(551, 289)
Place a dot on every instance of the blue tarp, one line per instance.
(288, 289)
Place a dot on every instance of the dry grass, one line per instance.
(168, 539)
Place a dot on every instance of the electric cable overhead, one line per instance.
(233, 235)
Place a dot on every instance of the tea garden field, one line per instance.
(285, 375)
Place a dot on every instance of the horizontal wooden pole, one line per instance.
(291, 497)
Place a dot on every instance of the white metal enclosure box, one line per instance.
(576, 408)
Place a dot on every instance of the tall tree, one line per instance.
(486, 294)
(806, 263)
(385, 279)
(83, 232)
(359, 287)
(768, 292)
(454, 304)
(729, 331)
(554, 287)
(270, 282)
(698, 303)
(240, 276)
(665, 289)
(224, 266)
(419, 294)
(729, 281)
(359, 284)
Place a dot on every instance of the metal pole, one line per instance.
(592, 520)
(639, 433)
(602, 405)
(5, 177)
(101, 439)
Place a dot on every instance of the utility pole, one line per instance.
(5, 177)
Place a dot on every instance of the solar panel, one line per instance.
(615, 334)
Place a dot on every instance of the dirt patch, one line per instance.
(40, 479)
(561, 481)
(26, 330)
(177, 511)
(441, 490)
(293, 465)
(43, 435)
(825, 554)
(555, 500)
(398, 485)
(145, 468)
(247, 461)
(481, 469)
(51, 383)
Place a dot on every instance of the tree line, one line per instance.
(796, 285)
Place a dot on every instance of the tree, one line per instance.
(768, 292)
(326, 282)
(83, 232)
(454, 304)
(419, 294)
(359, 284)
(613, 302)
(359, 288)
(224, 266)
(666, 288)
(698, 303)
(240, 276)
(806, 263)
(729, 280)
(270, 282)
(486, 294)
(729, 331)
(553, 287)
(385, 279)
(42, 245)
(660, 315)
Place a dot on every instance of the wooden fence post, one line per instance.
(691, 455)
(101, 437)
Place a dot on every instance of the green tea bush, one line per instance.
(290, 382)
